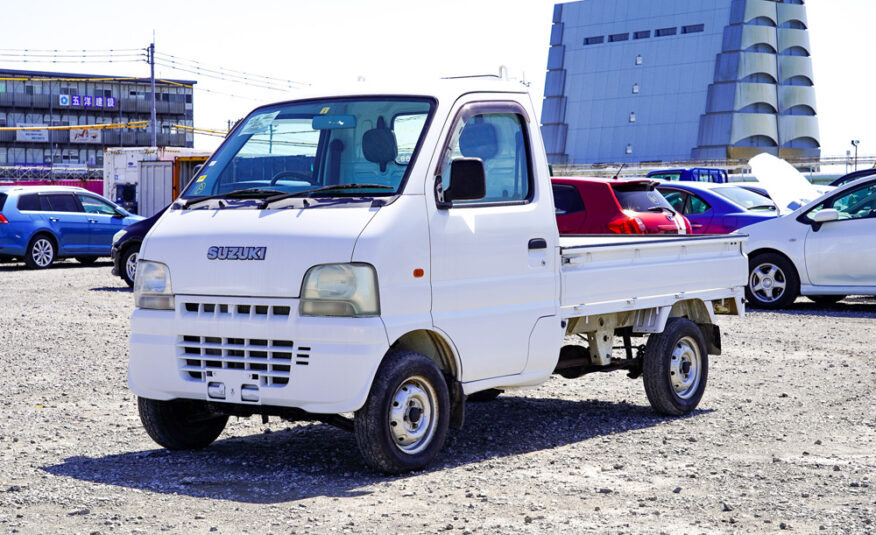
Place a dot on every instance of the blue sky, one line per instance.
(331, 42)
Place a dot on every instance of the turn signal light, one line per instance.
(632, 225)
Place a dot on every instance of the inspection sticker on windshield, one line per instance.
(259, 124)
(211, 164)
(325, 110)
(201, 178)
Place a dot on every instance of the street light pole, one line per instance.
(855, 143)
(152, 83)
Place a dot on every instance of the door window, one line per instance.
(499, 140)
(676, 199)
(859, 203)
(62, 203)
(697, 206)
(93, 205)
(567, 200)
(29, 202)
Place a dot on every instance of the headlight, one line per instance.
(348, 290)
(152, 286)
(118, 236)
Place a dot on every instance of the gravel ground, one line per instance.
(784, 439)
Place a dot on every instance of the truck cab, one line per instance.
(387, 254)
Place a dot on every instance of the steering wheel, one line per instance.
(297, 174)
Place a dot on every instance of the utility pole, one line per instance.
(152, 83)
(855, 143)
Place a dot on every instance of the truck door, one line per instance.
(493, 272)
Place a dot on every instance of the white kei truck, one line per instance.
(372, 259)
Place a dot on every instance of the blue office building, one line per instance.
(673, 80)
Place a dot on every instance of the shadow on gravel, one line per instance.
(319, 460)
(112, 289)
(850, 307)
(68, 264)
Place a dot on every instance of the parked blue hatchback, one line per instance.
(42, 223)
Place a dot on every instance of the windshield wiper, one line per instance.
(306, 192)
(249, 192)
(661, 209)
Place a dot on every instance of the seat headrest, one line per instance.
(478, 139)
(379, 145)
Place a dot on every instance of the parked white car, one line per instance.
(825, 250)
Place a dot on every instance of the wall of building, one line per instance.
(640, 80)
(50, 102)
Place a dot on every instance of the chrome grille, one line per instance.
(268, 361)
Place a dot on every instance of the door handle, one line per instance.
(92, 220)
(537, 243)
(53, 219)
(695, 225)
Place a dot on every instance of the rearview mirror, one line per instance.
(467, 180)
(825, 216)
(333, 122)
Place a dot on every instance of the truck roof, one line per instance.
(444, 89)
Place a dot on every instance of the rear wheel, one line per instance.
(128, 264)
(180, 424)
(826, 300)
(404, 421)
(40, 252)
(676, 367)
(772, 281)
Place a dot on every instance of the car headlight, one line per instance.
(152, 286)
(348, 290)
(118, 236)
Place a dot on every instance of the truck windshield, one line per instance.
(302, 146)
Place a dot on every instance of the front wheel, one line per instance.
(676, 367)
(128, 264)
(180, 424)
(772, 281)
(404, 421)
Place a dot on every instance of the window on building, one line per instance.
(639, 59)
(632, 116)
(694, 28)
(28, 90)
(594, 40)
(644, 34)
(663, 32)
(635, 89)
(761, 21)
(2, 87)
(618, 37)
(189, 98)
(629, 149)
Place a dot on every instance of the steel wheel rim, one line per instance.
(413, 415)
(131, 265)
(685, 367)
(42, 252)
(768, 282)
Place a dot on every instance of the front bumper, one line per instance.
(254, 351)
(114, 256)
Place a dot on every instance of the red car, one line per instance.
(606, 206)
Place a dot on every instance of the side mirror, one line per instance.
(826, 216)
(467, 180)
(119, 215)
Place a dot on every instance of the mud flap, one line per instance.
(457, 402)
(712, 334)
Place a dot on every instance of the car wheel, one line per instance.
(180, 424)
(404, 421)
(675, 367)
(826, 300)
(128, 264)
(86, 260)
(40, 252)
(772, 281)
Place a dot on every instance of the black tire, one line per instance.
(412, 384)
(86, 260)
(826, 300)
(180, 424)
(41, 252)
(665, 356)
(123, 264)
(484, 396)
(765, 273)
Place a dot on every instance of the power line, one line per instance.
(82, 50)
(223, 78)
(224, 70)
